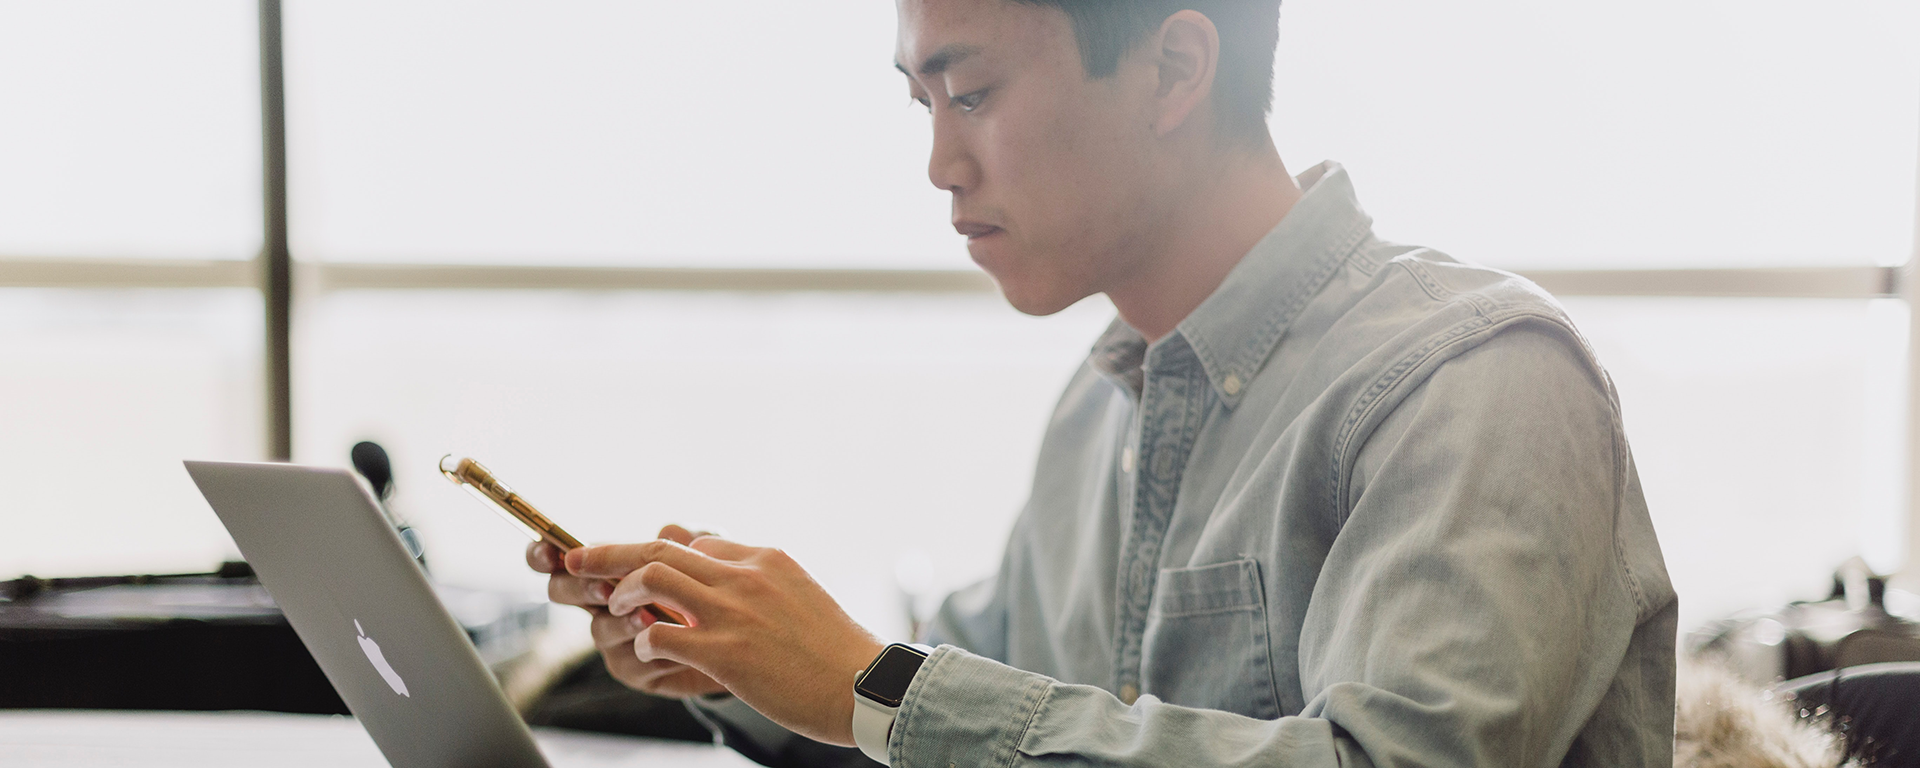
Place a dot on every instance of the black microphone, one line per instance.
(370, 460)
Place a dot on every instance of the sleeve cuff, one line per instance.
(966, 710)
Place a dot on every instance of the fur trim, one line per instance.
(1721, 721)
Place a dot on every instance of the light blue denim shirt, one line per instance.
(1367, 505)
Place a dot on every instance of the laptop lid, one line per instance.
(367, 614)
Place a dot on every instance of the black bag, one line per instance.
(208, 641)
(1851, 627)
(1846, 662)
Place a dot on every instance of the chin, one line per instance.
(1034, 299)
(1037, 292)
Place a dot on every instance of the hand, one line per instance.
(760, 626)
(613, 635)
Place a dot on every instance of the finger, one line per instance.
(661, 583)
(678, 534)
(612, 633)
(544, 557)
(721, 548)
(660, 678)
(683, 684)
(615, 561)
(573, 590)
(624, 666)
(682, 534)
(649, 674)
(671, 642)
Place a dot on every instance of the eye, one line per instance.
(968, 102)
(922, 101)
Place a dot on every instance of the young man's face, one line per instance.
(1051, 172)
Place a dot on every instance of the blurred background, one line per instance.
(680, 262)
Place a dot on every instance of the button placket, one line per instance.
(1171, 409)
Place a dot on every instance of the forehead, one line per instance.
(998, 30)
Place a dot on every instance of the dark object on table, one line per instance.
(585, 697)
(1850, 628)
(1874, 708)
(207, 641)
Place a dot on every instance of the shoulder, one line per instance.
(1420, 308)
(1428, 286)
(1408, 314)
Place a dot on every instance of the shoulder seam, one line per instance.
(1363, 408)
(1396, 376)
(1346, 440)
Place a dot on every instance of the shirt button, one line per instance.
(1129, 693)
(1231, 384)
(1126, 461)
(1163, 463)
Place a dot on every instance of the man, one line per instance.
(1314, 499)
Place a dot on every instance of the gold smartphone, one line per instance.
(475, 479)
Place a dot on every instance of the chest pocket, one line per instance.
(1206, 641)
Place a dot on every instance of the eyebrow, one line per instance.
(941, 60)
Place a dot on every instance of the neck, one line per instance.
(1224, 211)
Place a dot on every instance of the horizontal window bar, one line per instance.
(127, 273)
(1796, 283)
(334, 276)
(1809, 282)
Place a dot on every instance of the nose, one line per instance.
(951, 167)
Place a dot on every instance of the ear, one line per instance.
(1187, 52)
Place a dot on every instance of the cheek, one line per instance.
(1056, 179)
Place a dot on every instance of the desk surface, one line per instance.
(90, 738)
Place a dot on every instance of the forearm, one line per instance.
(963, 709)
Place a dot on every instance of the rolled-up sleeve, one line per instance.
(964, 709)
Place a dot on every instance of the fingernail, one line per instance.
(576, 559)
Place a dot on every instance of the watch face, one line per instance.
(887, 680)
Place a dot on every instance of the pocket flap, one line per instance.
(1228, 586)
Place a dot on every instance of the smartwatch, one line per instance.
(877, 693)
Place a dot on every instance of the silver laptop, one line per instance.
(367, 614)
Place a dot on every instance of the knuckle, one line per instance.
(653, 575)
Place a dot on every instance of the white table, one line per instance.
(98, 739)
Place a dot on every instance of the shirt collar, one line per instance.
(1235, 330)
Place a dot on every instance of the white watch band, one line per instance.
(872, 727)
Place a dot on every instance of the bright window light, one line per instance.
(129, 129)
(1615, 135)
(1523, 135)
(107, 391)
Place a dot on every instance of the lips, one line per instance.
(974, 230)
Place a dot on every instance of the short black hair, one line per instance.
(1249, 32)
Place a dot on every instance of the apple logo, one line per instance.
(379, 660)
